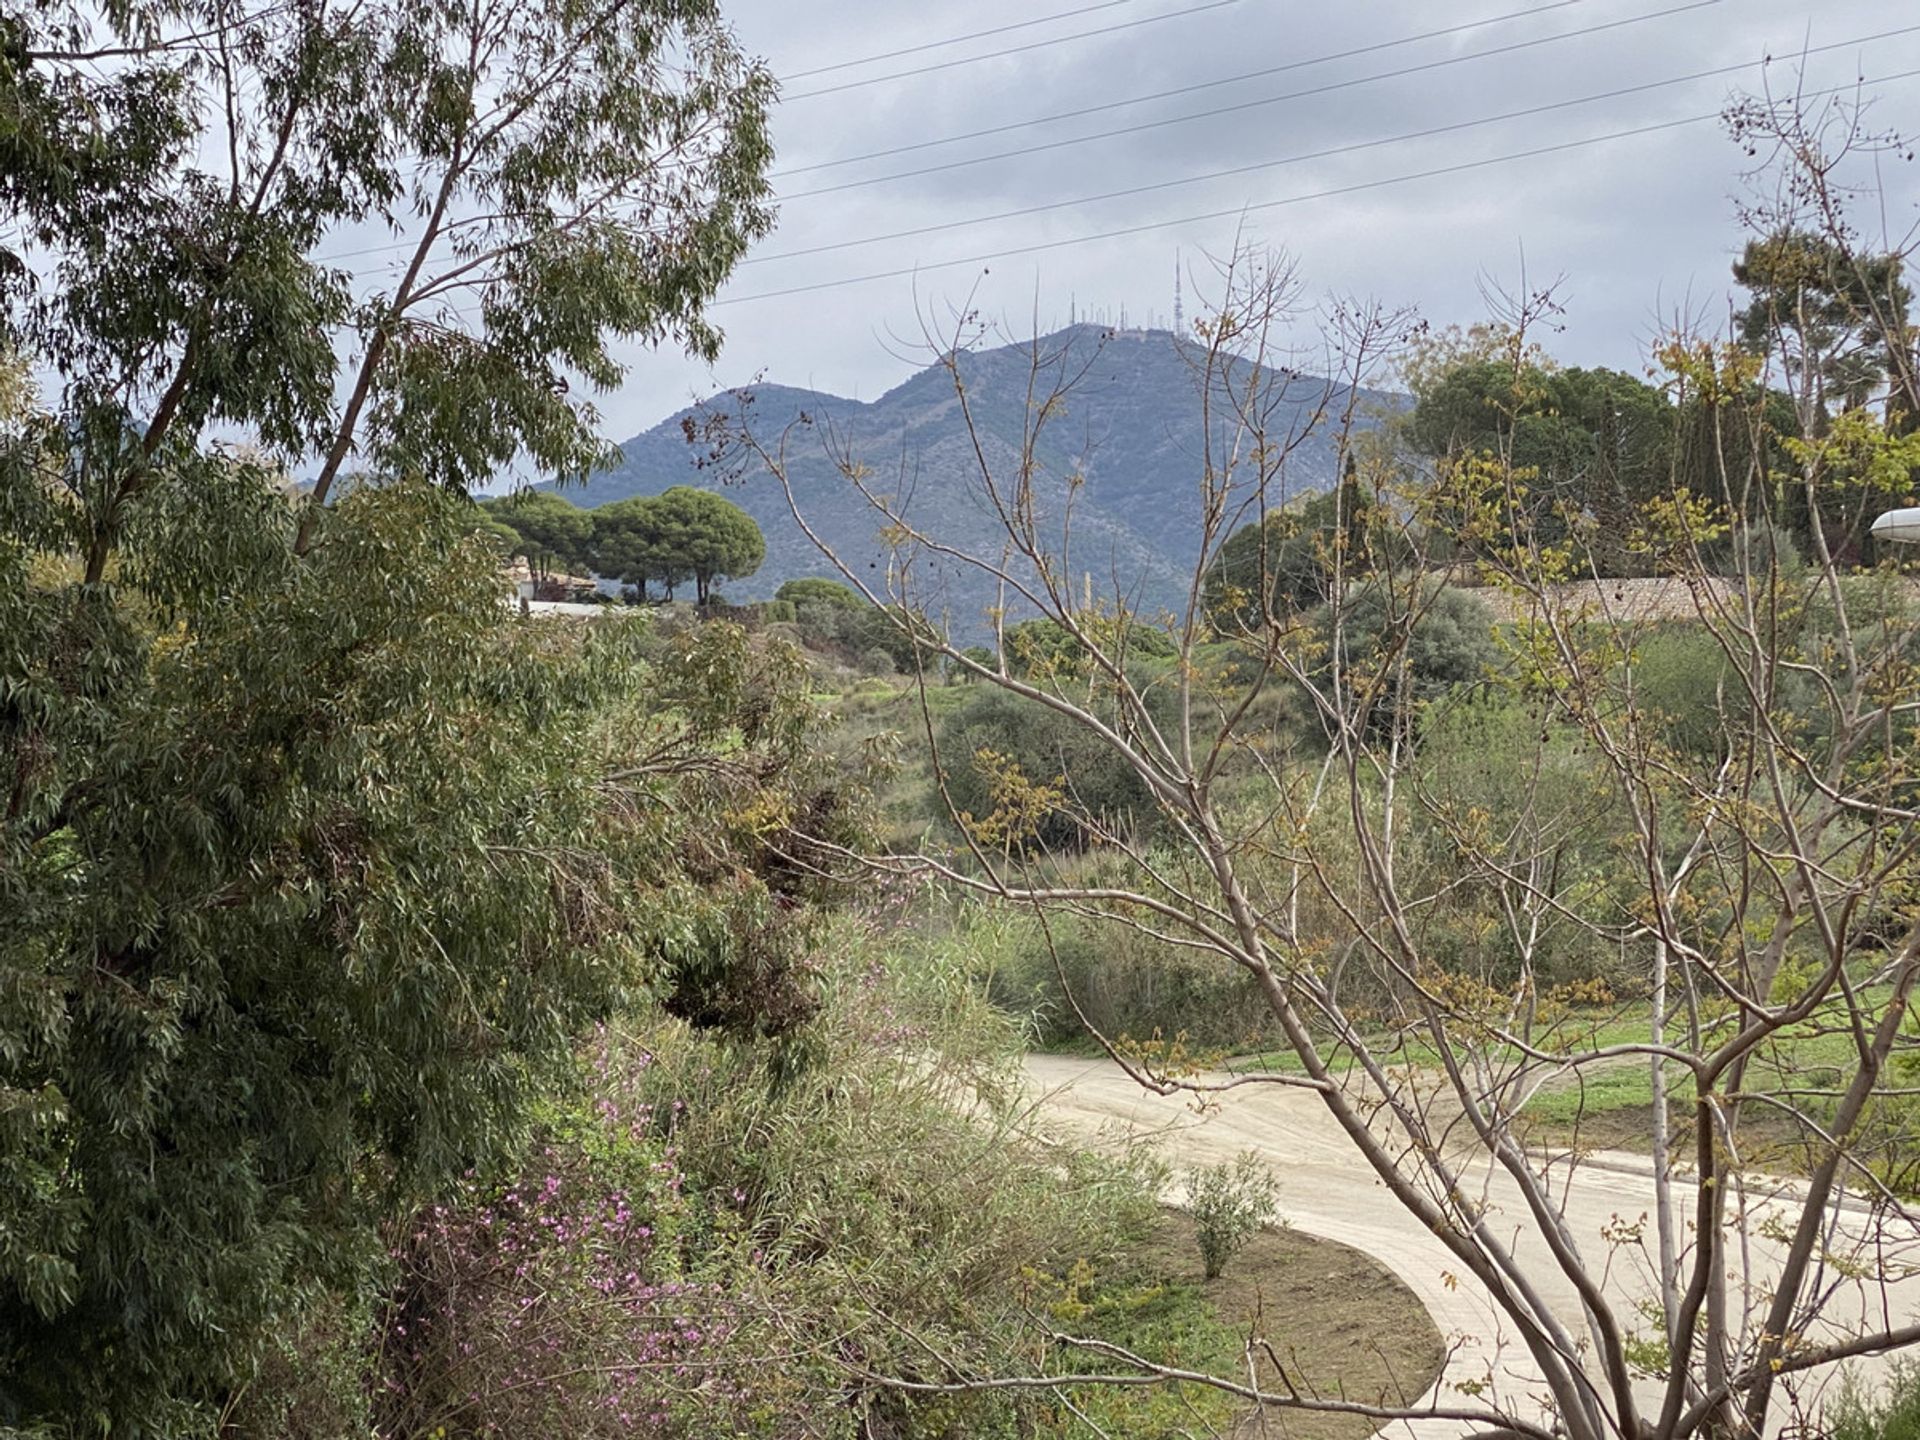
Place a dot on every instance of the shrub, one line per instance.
(1758, 550)
(1092, 780)
(1294, 551)
(1684, 684)
(1447, 640)
(1230, 1202)
(311, 1383)
(818, 590)
(688, 1241)
(979, 655)
(303, 950)
(559, 1303)
(1498, 755)
(1891, 1414)
(1128, 984)
(1044, 647)
(834, 620)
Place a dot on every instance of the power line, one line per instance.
(1179, 119)
(1011, 50)
(1331, 87)
(968, 60)
(1355, 188)
(956, 40)
(1271, 70)
(1348, 149)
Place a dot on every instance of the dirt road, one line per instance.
(1326, 1189)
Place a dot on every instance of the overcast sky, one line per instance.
(1639, 227)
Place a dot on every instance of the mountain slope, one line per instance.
(1131, 427)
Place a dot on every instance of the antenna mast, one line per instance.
(1179, 301)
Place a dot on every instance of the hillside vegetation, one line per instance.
(428, 1017)
(1132, 436)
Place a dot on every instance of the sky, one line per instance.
(1635, 230)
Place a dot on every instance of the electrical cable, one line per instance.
(956, 40)
(1358, 187)
(1271, 70)
(1244, 105)
(1011, 50)
(1406, 136)
(390, 247)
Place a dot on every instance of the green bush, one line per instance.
(1759, 550)
(1681, 680)
(818, 1184)
(1045, 647)
(1230, 1202)
(695, 1225)
(1128, 984)
(302, 952)
(979, 655)
(1297, 552)
(1444, 637)
(835, 621)
(817, 590)
(316, 902)
(1494, 754)
(1892, 1413)
(1046, 748)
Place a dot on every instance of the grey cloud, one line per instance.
(1634, 225)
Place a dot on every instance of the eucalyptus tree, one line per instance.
(293, 918)
(397, 237)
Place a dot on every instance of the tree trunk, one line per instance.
(1662, 1154)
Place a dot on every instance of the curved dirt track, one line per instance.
(1326, 1189)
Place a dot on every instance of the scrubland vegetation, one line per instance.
(420, 1020)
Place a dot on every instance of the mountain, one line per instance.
(1131, 426)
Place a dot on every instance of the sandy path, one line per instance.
(1326, 1189)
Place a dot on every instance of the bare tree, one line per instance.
(1410, 937)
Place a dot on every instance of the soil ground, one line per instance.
(1342, 1325)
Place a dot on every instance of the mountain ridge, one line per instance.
(1130, 430)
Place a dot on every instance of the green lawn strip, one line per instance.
(1579, 1031)
(1816, 1051)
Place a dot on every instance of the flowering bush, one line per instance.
(562, 1302)
(728, 1238)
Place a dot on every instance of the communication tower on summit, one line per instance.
(1179, 303)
